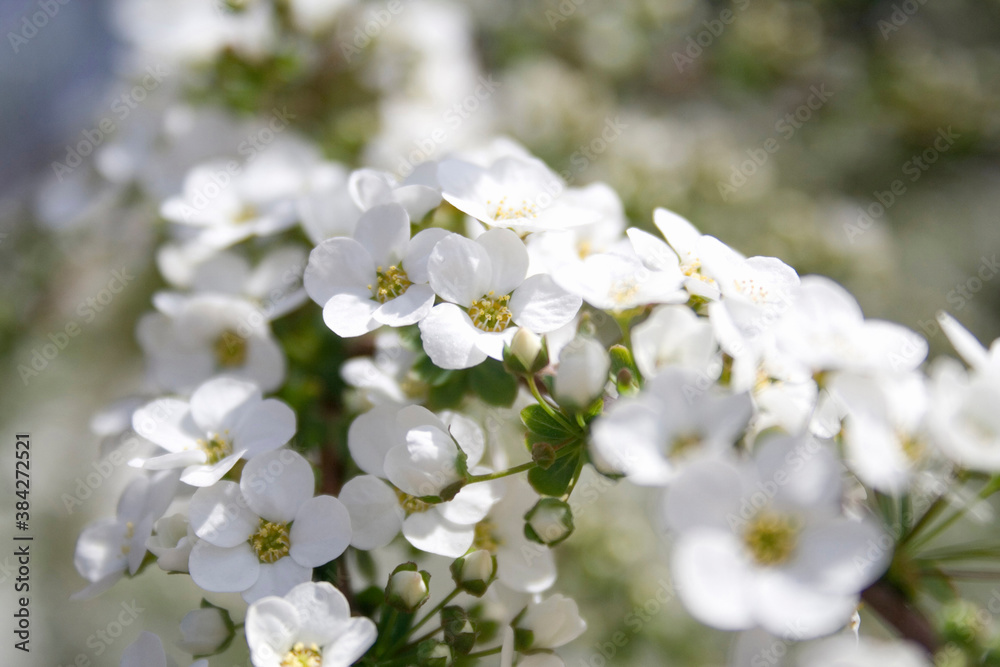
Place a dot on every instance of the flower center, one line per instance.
(127, 539)
(912, 447)
(624, 291)
(271, 544)
(392, 282)
(411, 504)
(230, 349)
(504, 211)
(246, 213)
(684, 443)
(491, 313)
(216, 448)
(485, 536)
(303, 656)
(771, 538)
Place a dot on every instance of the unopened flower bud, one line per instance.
(205, 631)
(459, 631)
(433, 653)
(408, 588)
(473, 573)
(549, 522)
(526, 353)
(583, 371)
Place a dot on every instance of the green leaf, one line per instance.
(492, 383)
(542, 423)
(554, 480)
(427, 372)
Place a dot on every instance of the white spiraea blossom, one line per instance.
(310, 625)
(377, 278)
(764, 543)
(225, 420)
(487, 298)
(193, 339)
(418, 452)
(681, 416)
(266, 534)
(108, 548)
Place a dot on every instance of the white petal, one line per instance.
(431, 532)
(219, 514)
(408, 308)
(967, 346)
(508, 259)
(275, 484)
(384, 231)
(214, 403)
(223, 570)
(277, 579)
(146, 651)
(171, 461)
(460, 269)
(371, 436)
(542, 306)
(321, 531)
(272, 627)
(335, 265)
(418, 253)
(359, 634)
(322, 609)
(714, 579)
(168, 423)
(471, 504)
(207, 475)
(790, 608)
(449, 337)
(376, 516)
(426, 464)
(349, 313)
(268, 425)
(841, 556)
(370, 187)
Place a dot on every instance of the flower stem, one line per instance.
(533, 386)
(472, 479)
(438, 607)
(483, 654)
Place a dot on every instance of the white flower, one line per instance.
(225, 420)
(310, 625)
(883, 430)
(673, 336)
(764, 544)
(275, 284)
(641, 272)
(203, 631)
(553, 622)
(678, 417)
(583, 370)
(488, 297)
(686, 241)
(265, 535)
(407, 590)
(970, 349)
(378, 277)
(386, 376)
(419, 453)
(147, 651)
(171, 542)
(204, 335)
(418, 193)
(107, 548)
(824, 330)
(963, 416)
(227, 202)
(325, 207)
(866, 652)
(514, 192)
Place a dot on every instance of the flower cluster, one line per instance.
(448, 353)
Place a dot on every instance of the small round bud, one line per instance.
(204, 631)
(584, 365)
(549, 522)
(433, 654)
(526, 354)
(408, 588)
(474, 573)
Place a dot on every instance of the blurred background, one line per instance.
(851, 138)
